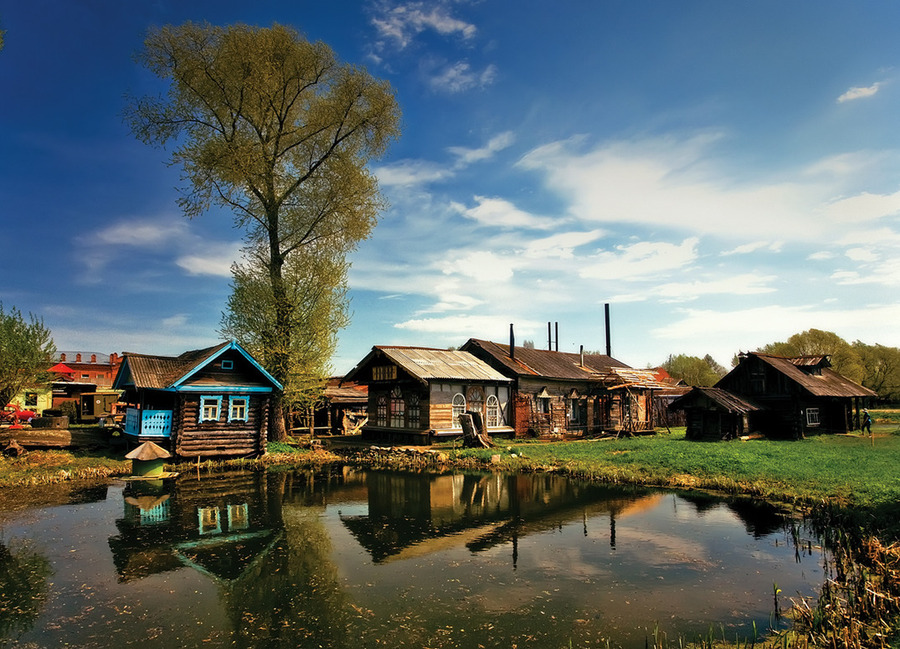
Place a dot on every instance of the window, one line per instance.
(227, 365)
(459, 408)
(476, 400)
(577, 411)
(208, 520)
(812, 416)
(209, 408)
(238, 409)
(398, 409)
(30, 399)
(381, 410)
(412, 411)
(493, 411)
(384, 373)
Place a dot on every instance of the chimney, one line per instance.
(549, 338)
(608, 343)
(557, 335)
(512, 343)
(581, 353)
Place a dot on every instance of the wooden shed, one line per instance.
(416, 394)
(204, 403)
(714, 414)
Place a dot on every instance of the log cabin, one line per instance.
(211, 402)
(416, 394)
(777, 396)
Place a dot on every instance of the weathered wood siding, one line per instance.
(221, 437)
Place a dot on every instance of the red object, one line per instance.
(15, 414)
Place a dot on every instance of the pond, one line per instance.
(350, 558)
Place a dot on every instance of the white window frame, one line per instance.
(812, 417)
(238, 402)
(209, 400)
(459, 408)
(492, 410)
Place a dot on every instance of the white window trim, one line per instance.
(459, 408)
(204, 398)
(812, 417)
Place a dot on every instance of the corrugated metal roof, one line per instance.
(435, 364)
(546, 363)
(630, 377)
(827, 383)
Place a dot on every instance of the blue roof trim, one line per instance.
(233, 345)
(218, 389)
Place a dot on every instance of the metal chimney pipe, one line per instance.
(608, 343)
(557, 336)
(581, 353)
(512, 343)
(549, 338)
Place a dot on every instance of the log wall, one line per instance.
(221, 437)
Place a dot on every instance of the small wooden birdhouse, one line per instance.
(148, 459)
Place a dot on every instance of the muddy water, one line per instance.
(356, 559)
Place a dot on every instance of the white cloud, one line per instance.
(212, 259)
(142, 233)
(402, 22)
(682, 184)
(460, 77)
(410, 173)
(747, 248)
(859, 93)
(561, 245)
(645, 260)
(861, 254)
(466, 156)
(497, 212)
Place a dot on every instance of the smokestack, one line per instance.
(557, 336)
(549, 338)
(512, 343)
(581, 353)
(608, 343)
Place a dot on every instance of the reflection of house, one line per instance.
(787, 397)
(209, 402)
(418, 393)
(218, 527)
(412, 515)
(560, 393)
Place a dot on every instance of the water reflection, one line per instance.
(346, 558)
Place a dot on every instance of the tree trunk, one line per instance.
(277, 428)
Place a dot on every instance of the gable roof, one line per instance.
(825, 382)
(548, 364)
(171, 372)
(728, 401)
(428, 364)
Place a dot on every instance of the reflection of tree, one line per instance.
(292, 596)
(23, 588)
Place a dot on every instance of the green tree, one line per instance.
(844, 358)
(275, 129)
(882, 369)
(315, 280)
(26, 352)
(694, 370)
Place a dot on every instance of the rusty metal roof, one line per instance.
(824, 382)
(428, 364)
(545, 363)
(727, 400)
(632, 378)
(160, 372)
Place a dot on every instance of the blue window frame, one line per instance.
(237, 408)
(210, 407)
(227, 364)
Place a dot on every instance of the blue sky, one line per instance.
(724, 174)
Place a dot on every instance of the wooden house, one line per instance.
(568, 394)
(714, 414)
(416, 394)
(790, 397)
(203, 403)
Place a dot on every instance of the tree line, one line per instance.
(876, 367)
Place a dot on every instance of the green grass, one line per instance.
(842, 469)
